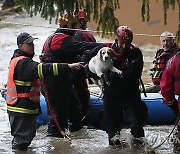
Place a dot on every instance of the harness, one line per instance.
(160, 63)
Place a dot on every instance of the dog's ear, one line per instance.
(100, 53)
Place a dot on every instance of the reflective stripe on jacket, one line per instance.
(13, 95)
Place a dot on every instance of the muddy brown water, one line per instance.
(86, 141)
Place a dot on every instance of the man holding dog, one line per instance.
(122, 97)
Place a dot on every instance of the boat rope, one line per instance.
(176, 123)
(93, 31)
(99, 96)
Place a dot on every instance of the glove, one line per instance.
(174, 102)
(115, 76)
(108, 76)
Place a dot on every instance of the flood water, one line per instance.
(86, 141)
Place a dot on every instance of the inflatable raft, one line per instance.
(158, 113)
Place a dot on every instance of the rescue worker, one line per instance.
(64, 26)
(62, 47)
(83, 34)
(121, 98)
(170, 86)
(79, 80)
(168, 49)
(23, 89)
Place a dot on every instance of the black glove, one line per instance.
(108, 76)
(115, 76)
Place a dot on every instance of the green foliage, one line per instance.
(145, 11)
(102, 11)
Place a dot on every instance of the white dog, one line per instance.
(101, 63)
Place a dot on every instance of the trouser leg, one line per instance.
(136, 115)
(75, 114)
(81, 87)
(23, 130)
(113, 119)
(58, 112)
(58, 109)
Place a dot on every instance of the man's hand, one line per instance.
(115, 75)
(108, 76)
(76, 66)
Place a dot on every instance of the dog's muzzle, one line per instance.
(106, 58)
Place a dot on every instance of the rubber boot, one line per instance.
(114, 138)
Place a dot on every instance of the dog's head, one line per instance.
(105, 53)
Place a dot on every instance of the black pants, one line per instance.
(132, 110)
(81, 87)
(63, 104)
(23, 130)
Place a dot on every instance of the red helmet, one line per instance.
(82, 14)
(124, 33)
(63, 20)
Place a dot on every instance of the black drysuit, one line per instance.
(62, 96)
(122, 97)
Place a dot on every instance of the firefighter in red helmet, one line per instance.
(78, 21)
(66, 26)
(80, 83)
(66, 103)
(83, 34)
(82, 15)
(122, 97)
(63, 20)
(123, 39)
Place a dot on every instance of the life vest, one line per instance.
(54, 42)
(13, 95)
(160, 63)
(125, 58)
(52, 49)
(84, 36)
